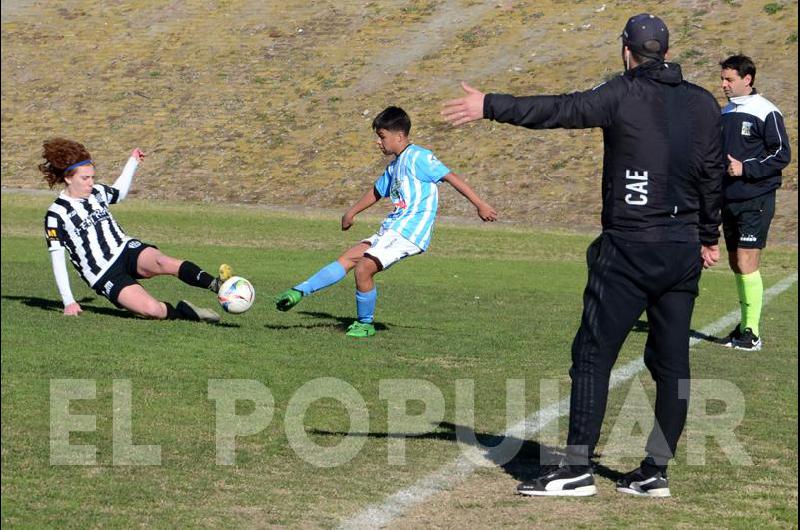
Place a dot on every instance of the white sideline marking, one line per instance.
(447, 476)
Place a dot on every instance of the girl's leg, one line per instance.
(135, 299)
(152, 262)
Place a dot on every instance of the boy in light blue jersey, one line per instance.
(410, 181)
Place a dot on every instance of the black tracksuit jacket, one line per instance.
(663, 162)
(753, 133)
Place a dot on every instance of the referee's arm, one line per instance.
(777, 153)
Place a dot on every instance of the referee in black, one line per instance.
(662, 176)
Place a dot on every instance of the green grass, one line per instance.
(772, 8)
(486, 303)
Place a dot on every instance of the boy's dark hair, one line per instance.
(743, 65)
(392, 119)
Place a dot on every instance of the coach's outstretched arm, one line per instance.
(578, 110)
(123, 182)
(464, 109)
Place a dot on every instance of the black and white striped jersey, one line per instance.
(87, 230)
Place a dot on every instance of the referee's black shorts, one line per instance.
(122, 273)
(746, 223)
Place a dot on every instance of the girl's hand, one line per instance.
(72, 309)
(137, 154)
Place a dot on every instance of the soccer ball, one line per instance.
(236, 295)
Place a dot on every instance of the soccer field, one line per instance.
(487, 304)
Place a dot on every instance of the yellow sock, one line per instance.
(753, 291)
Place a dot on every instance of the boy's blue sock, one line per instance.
(365, 305)
(325, 277)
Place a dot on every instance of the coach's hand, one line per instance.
(347, 221)
(466, 109)
(710, 255)
(72, 309)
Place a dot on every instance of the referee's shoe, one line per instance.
(735, 334)
(561, 481)
(742, 340)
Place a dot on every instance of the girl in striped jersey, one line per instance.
(108, 260)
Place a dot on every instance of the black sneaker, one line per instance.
(638, 483)
(747, 341)
(563, 481)
(735, 334)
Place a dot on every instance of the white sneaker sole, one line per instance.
(583, 491)
(757, 347)
(660, 492)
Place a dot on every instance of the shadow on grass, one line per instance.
(340, 323)
(56, 306)
(641, 326)
(521, 459)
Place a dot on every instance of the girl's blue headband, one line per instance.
(78, 164)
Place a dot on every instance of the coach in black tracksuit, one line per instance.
(662, 176)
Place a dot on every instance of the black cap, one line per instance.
(646, 35)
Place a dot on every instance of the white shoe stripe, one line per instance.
(583, 491)
(558, 485)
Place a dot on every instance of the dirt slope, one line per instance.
(271, 102)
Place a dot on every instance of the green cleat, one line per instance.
(288, 299)
(361, 330)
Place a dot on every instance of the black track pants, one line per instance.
(625, 279)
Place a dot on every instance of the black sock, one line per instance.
(172, 313)
(195, 276)
(649, 467)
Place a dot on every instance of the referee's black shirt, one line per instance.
(663, 161)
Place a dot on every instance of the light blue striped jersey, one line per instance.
(410, 182)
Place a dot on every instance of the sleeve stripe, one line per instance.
(780, 146)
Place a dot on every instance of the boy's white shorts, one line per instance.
(389, 247)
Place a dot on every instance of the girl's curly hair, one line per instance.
(59, 154)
